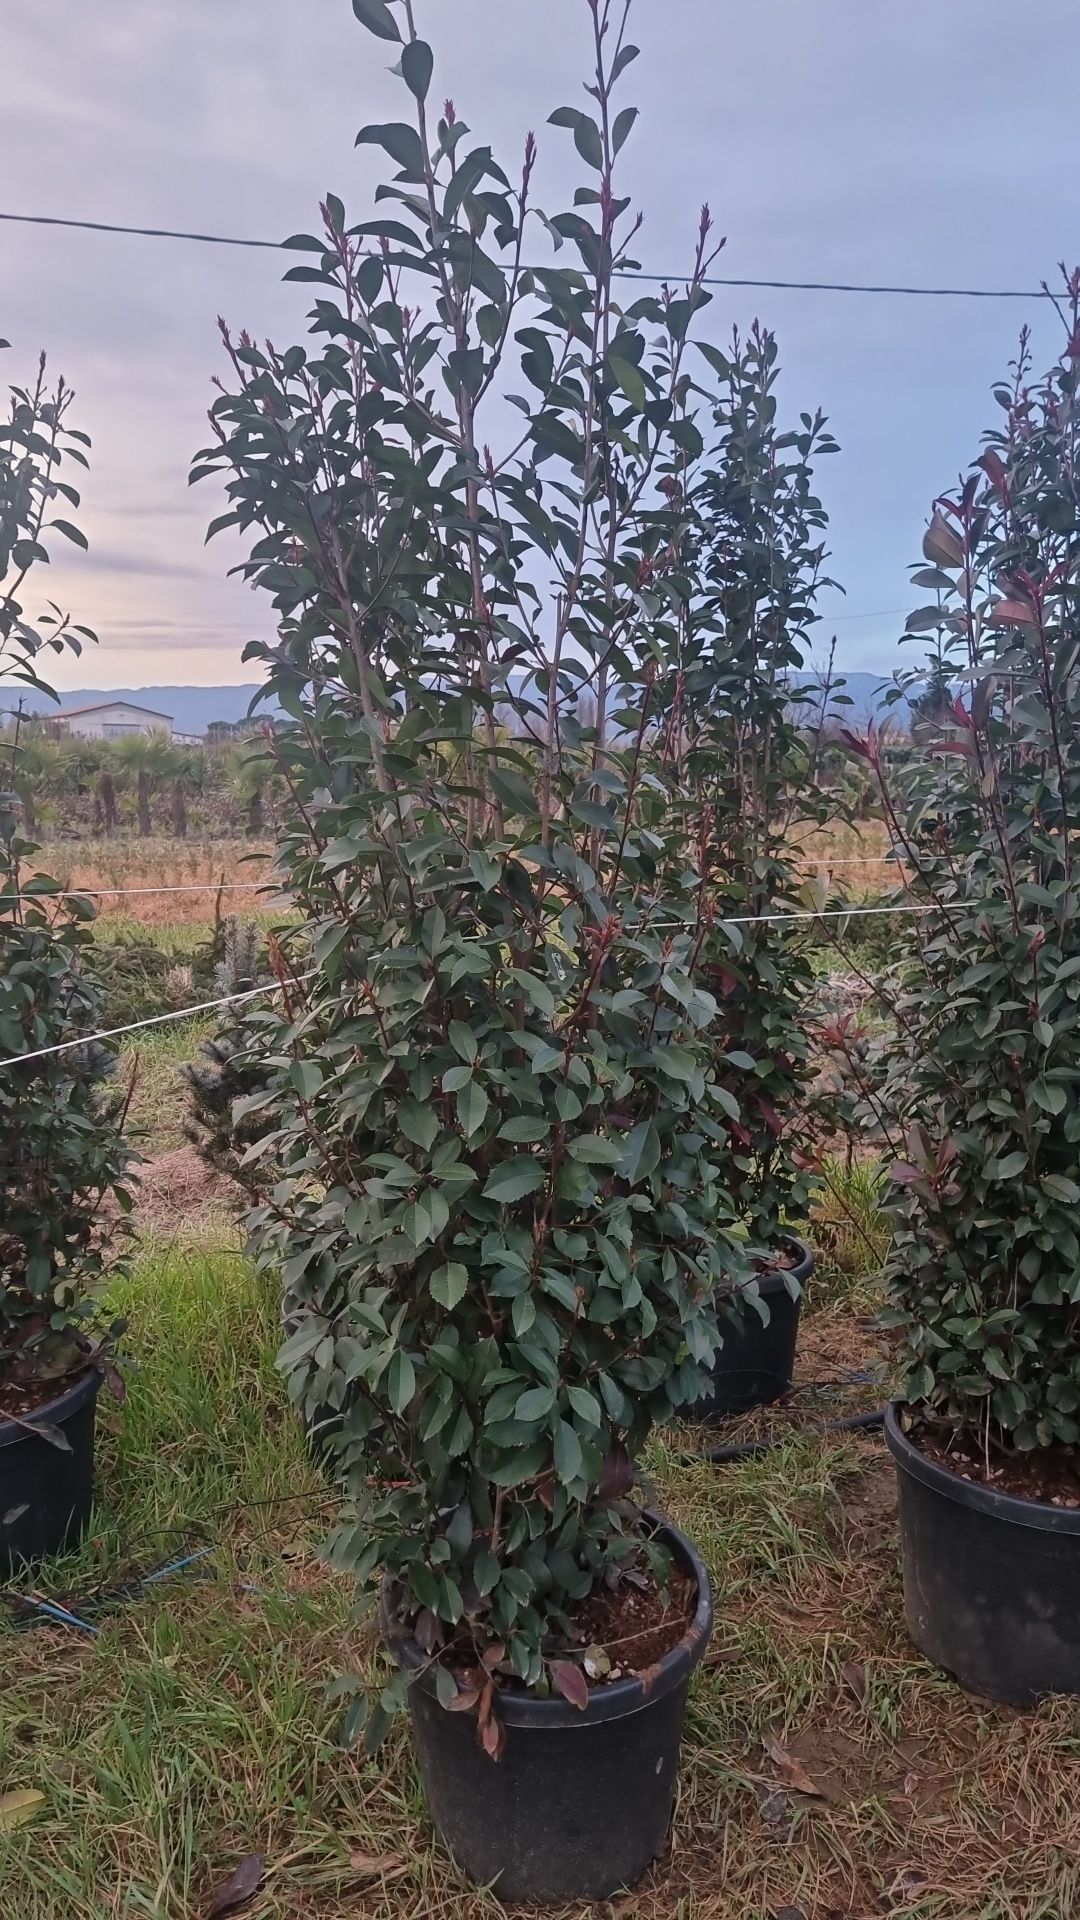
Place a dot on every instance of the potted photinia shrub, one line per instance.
(495, 1165)
(62, 1154)
(984, 1067)
(744, 730)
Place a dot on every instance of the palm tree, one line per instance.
(37, 772)
(189, 776)
(152, 758)
(248, 767)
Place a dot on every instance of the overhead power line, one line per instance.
(656, 279)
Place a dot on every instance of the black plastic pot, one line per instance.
(580, 1803)
(754, 1366)
(46, 1492)
(991, 1582)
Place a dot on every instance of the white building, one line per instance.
(112, 720)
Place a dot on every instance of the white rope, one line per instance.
(123, 893)
(156, 1020)
(671, 926)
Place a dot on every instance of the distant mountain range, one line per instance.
(193, 708)
(190, 708)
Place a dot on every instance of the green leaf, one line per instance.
(400, 1381)
(417, 65)
(377, 17)
(1050, 1095)
(568, 1461)
(629, 378)
(418, 1123)
(525, 1132)
(585, 1405)
(621, 130)
(595, 1150)
(641, 1155)
(1061, 1188)
(449, 1284)
(535, 1404)
(485, 1572)
(402, 143)
(514, 1179)
(463, 1040)
(71, 532)
(588, 142)
(306, 1077)
(472, 1105)
(1009, 1167)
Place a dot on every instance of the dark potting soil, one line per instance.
(18, 1398)
(637, 1625)
(1049, 1474)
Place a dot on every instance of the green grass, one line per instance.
(158, 1055)
(194, 1731)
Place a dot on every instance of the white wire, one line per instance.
(156, 1020)
(122, 893)
(670, 926)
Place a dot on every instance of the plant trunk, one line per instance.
(107, 801)
(145, 823)
(179, 811)
(256, 818)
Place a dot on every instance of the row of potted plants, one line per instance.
(523, 1134)
(540, 1135)
(63, 1157)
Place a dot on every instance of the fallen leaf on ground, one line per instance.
(774, 1806)
(242, 1884)
(906, 1882)
(19, 1805)
(721, 1657)
(855, 1678)
(378, 1866)
(792, 1769)
(911, 1781)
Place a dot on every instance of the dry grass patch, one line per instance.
(123, 863)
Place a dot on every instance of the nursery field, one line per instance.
(156, 883)
(829, 1771)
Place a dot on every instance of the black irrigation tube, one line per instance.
(751, 1449)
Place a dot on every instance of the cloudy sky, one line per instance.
(835, 139)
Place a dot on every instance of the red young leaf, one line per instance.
(241, 1886)
(616, 1474)
(994, 468)
(1012, 613)
(493, 1738)
(464, 1700)
(903, 1173)
(569, 1680)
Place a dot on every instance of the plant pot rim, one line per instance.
(52, 1413)
(775, 1279)
(619, 1698)
(1010, 1507)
